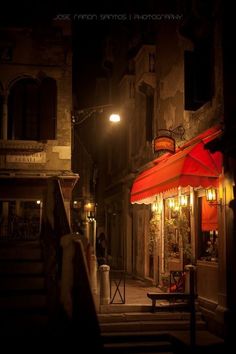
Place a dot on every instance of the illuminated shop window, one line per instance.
(177, 233)
(20, 219)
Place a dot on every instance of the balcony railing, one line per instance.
(18, 228)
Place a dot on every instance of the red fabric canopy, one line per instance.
(192, 166)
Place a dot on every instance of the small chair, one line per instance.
(177, 281)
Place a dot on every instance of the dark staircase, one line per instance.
(23, 294)
(161, 332)
(137, 343)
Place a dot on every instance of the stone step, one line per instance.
(137, 336)
(160, 307)
(162, 325)
(23, 324)
(20, 250)
(137, 347)
(206, 342)
(21, 266)
(23, 300)
(142, 316)
(138, 342)
(121, 308)
(21, 282)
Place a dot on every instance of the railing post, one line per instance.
(191, 272)
(67, 276)
(93, 273)
(104, 284)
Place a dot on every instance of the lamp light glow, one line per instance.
(183, 200)
(115, 118)
(156, 207)
(171, 203)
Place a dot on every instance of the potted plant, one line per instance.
(165, 281)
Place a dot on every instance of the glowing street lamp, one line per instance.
(115, 118)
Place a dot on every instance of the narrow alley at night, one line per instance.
(117, 176)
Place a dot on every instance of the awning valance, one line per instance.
(192, 165)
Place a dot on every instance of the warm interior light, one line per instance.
(38, 202)
(211, 194)
(114, 118)
(183, 200)
(156, 207)
(89, 207)
(171, 203)
(75, 204)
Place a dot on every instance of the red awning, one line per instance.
(192, 165)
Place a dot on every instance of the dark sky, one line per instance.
(89, 31)
(41, 10)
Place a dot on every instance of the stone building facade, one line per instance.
(171, 84)
(35, 120)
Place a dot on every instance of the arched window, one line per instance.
(48, 108)
(23, 113)
(32, 110)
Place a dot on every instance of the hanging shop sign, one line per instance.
(163, 144)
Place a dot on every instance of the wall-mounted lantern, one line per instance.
(171, 203)
(211, 197)
(156, 206)
(183, 200)
(211, 194)
(89, 209)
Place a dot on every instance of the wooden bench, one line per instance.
(171, 297)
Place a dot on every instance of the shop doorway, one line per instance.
(177, 236)
(20, 219)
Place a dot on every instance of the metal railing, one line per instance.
(19, 228)
(117, 286)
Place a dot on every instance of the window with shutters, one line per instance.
(198, 76)
(32, 110)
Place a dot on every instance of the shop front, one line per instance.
(25, 199)
(181, 192)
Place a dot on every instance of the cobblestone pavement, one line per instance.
(130, 291)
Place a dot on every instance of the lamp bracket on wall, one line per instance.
(79, 116)
(177, 132)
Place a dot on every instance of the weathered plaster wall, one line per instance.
(37, 53)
